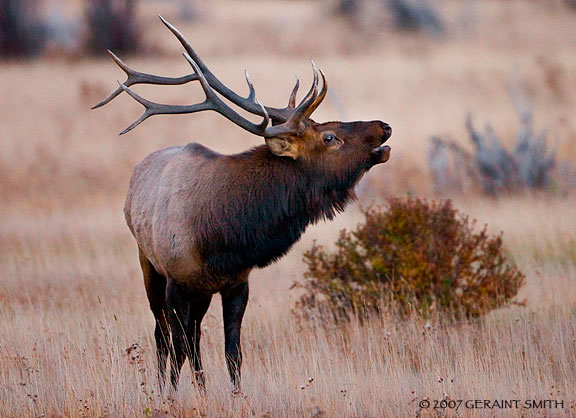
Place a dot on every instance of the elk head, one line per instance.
(344, 148)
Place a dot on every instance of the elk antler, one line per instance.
(285, 120)
(134, 77)
(212, 102)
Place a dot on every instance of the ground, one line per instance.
(71, 295)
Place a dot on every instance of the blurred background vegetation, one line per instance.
(415, 36)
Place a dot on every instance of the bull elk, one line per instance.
(204, 220)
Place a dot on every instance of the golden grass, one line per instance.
(72, 302)
(71, 297)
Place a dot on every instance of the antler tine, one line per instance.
(296, 125)
(219, 106)
(292, 100)
(319, 98)
(213, 81)
(310, 96)
(147, 106)
(252, 94)
(118, 90)
(248, 103)
(264, 124)
(135, 77)
(212, 102)
(152, 108)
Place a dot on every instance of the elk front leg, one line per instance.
(234, 301)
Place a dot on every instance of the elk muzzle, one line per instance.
(381, 153)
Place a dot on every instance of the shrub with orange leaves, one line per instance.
(414, 255)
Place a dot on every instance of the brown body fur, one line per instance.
(184, 201)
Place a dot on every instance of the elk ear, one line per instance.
(282, 147)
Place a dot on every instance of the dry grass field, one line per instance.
(71, 293)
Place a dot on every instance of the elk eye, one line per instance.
(330, 139)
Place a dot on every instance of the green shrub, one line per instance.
(415, 255)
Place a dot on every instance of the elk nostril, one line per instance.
(387, 129)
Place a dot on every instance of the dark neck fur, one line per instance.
(277, 198)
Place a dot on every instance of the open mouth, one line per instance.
(384, 139)
(382, 148)
(381, 154)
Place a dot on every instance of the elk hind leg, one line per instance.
(155, 285)
(186, 309)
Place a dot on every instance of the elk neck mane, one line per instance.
(274, 199)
